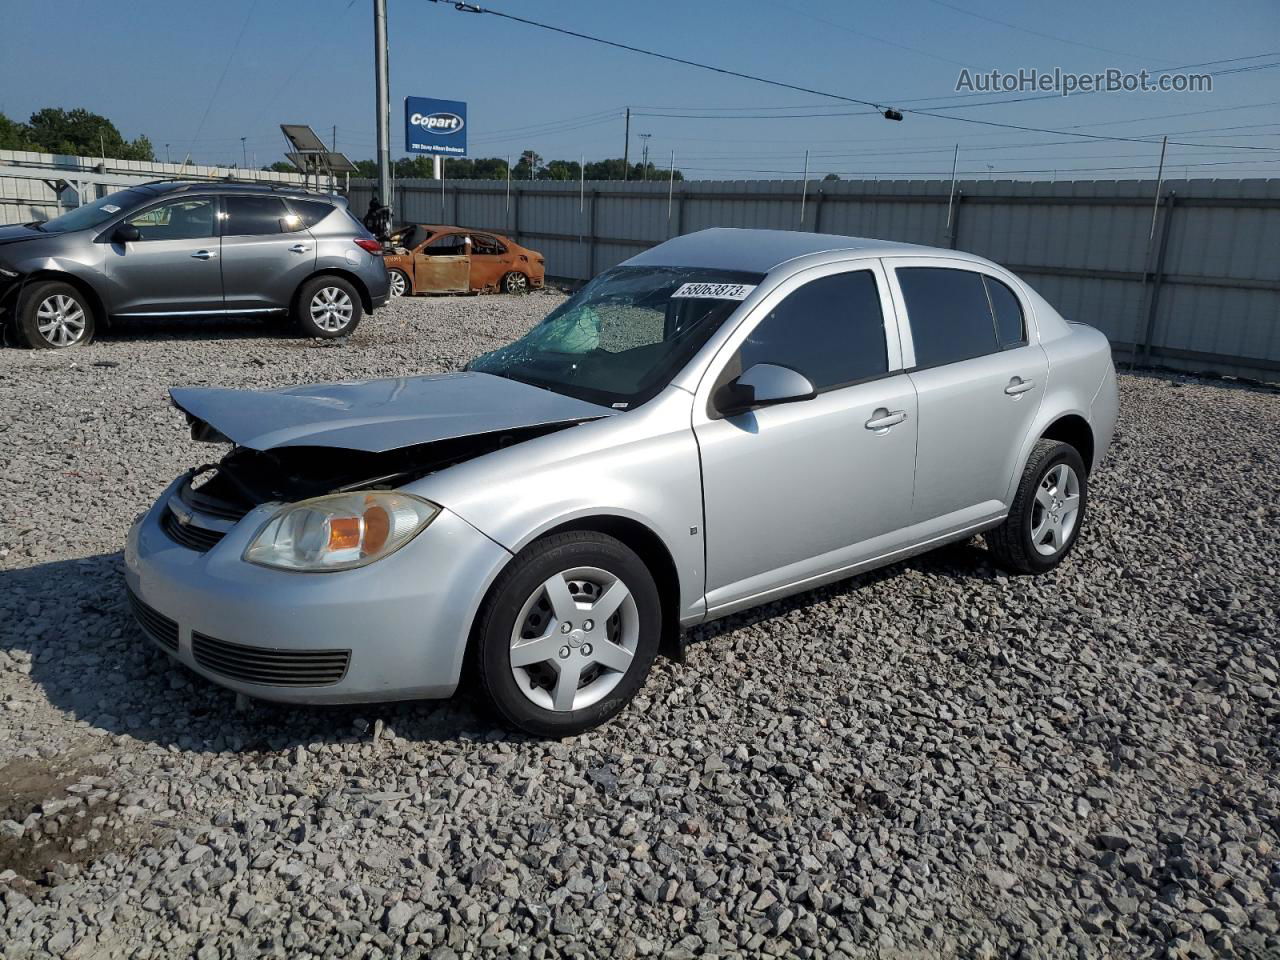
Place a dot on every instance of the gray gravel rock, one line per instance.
(936, 759)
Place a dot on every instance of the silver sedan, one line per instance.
(728, 418)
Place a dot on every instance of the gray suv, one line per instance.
(171, 249)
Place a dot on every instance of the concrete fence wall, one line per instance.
(39, 186)
(1201, 292)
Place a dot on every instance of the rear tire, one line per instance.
(327, 307)
(568, 633)
(1048, 510)
(53, 315)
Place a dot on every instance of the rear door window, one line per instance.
(486, 246)
(253, 216)
(831, 330)
(949, 314)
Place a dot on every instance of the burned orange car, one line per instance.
(429, 258)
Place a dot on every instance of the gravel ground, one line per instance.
(931, 760)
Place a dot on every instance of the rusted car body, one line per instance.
(432, 258)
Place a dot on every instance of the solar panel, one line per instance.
(303, 138)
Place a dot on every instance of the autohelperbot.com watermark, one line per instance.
(1065, 82)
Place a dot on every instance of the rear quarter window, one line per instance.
(310, 212)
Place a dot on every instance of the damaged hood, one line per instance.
(379, 415)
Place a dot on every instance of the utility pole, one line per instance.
(335, 138)
(644, 156)
(166, 154)
(626, 145)
(244, 153)
(381, 84)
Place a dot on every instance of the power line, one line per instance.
(222, 76)
(1036, 33)
(473, 8)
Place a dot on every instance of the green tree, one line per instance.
(280, 166)
(13, 135)
(831, 176)
(81, 133)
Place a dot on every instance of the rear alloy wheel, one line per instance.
(327, 307)
(569, 633)
(1047, 513)
(54, 315)
(515, 282)
(399, 283)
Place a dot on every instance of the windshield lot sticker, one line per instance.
(110, 208)
(714, 291)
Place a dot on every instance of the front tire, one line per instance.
(53, 315)
(568, 633)
(399, 282)
(327, 307)
(515, 282)
(1048, 510)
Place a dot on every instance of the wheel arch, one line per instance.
(643, 540)
(1074, 429)
(96, 303)
(366, 300)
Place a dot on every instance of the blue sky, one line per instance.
(156, 69)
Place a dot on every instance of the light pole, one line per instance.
(244, 154)
(381, 95)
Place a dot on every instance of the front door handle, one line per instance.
(299, 248)
(204, 255)
(1017, 385)
(884, 418)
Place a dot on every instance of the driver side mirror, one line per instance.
(126, 233)
(763, 385)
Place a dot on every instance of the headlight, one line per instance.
(341, 531)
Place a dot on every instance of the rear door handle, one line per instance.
(1017, 385)
(299, 248)
(204, 255)
(883, 418)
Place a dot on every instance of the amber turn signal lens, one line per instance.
(344, 533)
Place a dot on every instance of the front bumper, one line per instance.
(403, 621)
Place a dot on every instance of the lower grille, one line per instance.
(271, 667)
(189, 535)
(154, 623)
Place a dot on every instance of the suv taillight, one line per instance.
(368, 243)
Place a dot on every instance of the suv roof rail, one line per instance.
(189, 184)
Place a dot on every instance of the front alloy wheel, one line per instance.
(515, 282)
(53, 315)
(568, 633)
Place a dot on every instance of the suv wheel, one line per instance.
(327, 307)
(568, 633)
(1048, 510)
(52, 315)
(515, 282)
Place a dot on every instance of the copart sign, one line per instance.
(435, 126)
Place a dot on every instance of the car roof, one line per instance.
(760, 251)
(449, 228)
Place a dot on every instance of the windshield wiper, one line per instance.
(35, 225)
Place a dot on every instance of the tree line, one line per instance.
(78, 133)
(530, 166)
